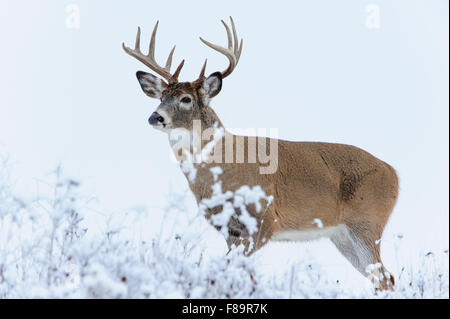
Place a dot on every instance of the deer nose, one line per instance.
(155, 118)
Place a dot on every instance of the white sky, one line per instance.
(312, 69)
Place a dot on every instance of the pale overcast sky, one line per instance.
(316, 70)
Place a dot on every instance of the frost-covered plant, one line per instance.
(47, 249)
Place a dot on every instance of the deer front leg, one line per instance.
(234, 242)
(247, 224)
(238, 235)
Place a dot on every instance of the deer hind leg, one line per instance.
(361, 249)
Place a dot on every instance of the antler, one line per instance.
(149, 59)
(233, 53)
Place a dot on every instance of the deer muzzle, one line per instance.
(156, 119)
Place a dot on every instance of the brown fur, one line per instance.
(349, 190)
(338, 184)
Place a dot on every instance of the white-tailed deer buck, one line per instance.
(317, 189)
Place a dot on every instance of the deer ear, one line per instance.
(150, 84)
(212, 85)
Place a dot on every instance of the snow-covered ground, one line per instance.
(52, 245)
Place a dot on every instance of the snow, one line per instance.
(48, 250)
(318, 222)
(217, 134)
(187, 166)
(216, 171)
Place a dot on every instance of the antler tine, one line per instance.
(149, 59)
(240, 49)
(137, 45)
(237, 46)
(230, 42)
(233, 52)
(151, 48)
(169, 59)
(174, 78)
(202, 72)
(201, 77)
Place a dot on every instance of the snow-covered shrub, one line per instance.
(48, 250)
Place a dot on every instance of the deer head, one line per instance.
(183, 102)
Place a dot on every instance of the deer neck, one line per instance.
(198, 156)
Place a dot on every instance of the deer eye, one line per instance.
(186, 100)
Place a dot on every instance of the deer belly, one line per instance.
(305, 234)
